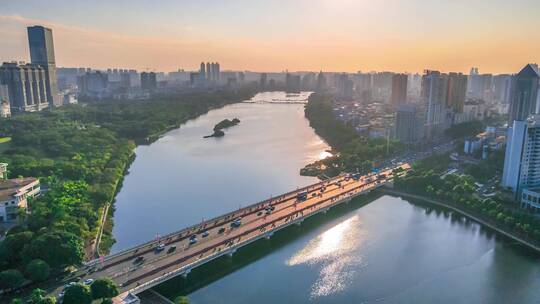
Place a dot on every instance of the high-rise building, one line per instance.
(434, 91)
(457, 89)
(202, 73)
(93, 84)
(217, 73)
(407, 125)
(26, 86)
(148, 81)
(399, 89)
(41, 44)
(525, 87)
(522, 158)
(502, 88)
(321, 83)
(208, 72)
(344, 86)
(263, 81)
(292, 83)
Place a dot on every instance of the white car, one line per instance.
(88, 281)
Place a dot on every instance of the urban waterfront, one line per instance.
(388, 251)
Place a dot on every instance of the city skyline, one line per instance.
(275, 36)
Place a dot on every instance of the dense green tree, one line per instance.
(10, 278)
(104, 288)
(80, 153)
(11, 247)
(36, 296)
(77, 294)
(38, 270)
(57, 248)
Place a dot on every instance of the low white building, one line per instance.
(14, 194)
(530, 198)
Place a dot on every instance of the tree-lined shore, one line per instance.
(351, 152)
(80, 153)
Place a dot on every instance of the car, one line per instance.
(159, 248)
(205, 234)
(221, 230)
(171, 249)
(138, 260)
(70, 284)
(88, 282)
(237, 222)
(61, 294)
(268, 211)
(259, 213)
(314, 194)
(192, 240)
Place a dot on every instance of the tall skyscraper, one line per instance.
(292, 83)
(202, 73)
(148, 81)
(399, 89)
(457, 89)
(208, 71)
(524, 92)
(41, 44)
(262, 82)
(434, 91)
(321, 83)
(502, 88)
(522, 158)
(407, 124)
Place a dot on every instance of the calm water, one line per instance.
(389, 251)
(181, 178)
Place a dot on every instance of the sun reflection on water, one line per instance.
(336, 251)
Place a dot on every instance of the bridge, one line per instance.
(142, 267)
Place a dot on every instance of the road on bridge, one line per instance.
(142, 267)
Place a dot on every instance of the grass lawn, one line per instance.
(4, 143)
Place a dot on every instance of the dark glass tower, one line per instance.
(40, 40)
(524, 94)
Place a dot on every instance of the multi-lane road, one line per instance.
(142, 267)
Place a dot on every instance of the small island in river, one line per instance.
(224, 124)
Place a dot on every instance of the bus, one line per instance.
(302, 196)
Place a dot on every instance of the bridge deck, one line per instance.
(256, 224)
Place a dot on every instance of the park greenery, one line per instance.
(352, 152)
(80, 154)
(465, 129)
(460, 191)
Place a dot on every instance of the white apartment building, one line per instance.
(522, 158)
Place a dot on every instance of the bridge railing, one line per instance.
(188, 267)
(120, 253)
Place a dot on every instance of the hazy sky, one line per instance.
(333, 35)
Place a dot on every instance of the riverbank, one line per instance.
(353, 152)
(105, 231)
(81, 154)
(455, 208)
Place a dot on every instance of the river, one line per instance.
(387, 251)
